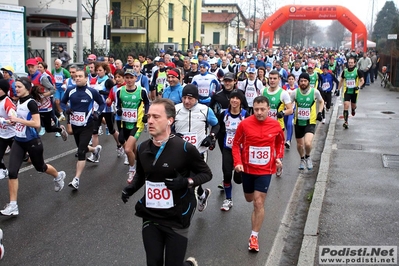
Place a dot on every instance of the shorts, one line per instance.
(260, 183)
(350, 97)
(59, 94)
(300, 131)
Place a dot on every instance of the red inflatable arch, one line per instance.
(310, 12)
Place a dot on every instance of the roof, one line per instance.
(217, 17)
(56, 26)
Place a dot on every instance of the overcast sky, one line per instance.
(361, 8)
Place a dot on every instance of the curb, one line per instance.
(279, 241)
(311, 231)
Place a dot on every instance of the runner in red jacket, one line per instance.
(258, 148)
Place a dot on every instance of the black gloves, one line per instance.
(319, 116)
(119, 112)
(144, 120)
(176, 183)
(125, 196)
(356, 88)
(280, 114)
(208, 141)
(95, 116)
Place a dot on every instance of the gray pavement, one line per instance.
(356, 198)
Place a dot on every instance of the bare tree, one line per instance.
(90, 8)
(336, 33)
(189, 10)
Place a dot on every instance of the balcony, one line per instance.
(128, 24)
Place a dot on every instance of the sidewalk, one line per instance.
(356, 198)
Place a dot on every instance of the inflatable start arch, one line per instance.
(310, 12)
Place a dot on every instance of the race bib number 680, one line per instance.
(157, 195)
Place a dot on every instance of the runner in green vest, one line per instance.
(306, 115)
(352, 79)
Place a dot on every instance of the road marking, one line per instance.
(27, 168)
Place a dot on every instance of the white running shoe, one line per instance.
(3, 173)
(10, 210)
(1, 245)
(120, 151)
(227, 204)
(59, 181)
(96, 153)
(64, 133)
(74, 183)
(91, 158)
(309, 163)
(126, 162)
(57, 134)
(323, 121)
(100, 130)
(130, 176)
(192, 261)
(42, 131)
(302, 164)
(202, 203)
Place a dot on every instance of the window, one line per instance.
(202, 28)
(183, 44)
(225, 11)
(211, 11)
(184, 13)
(170, 17)
(170, 40)
(216, 38)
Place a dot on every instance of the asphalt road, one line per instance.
(92, 226)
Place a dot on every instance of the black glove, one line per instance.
(125, 196)
(119, 112)
(319, 116)
(356, 88)
(95, 116)
(337, 93)
(144, 120)
(207, 141)
(213, 144)
(280, 114)
(176, 183)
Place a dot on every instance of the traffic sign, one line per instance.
(197, 44)
(392, 36)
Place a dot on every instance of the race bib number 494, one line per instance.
(158, 196)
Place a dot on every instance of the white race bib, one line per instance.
(303, 113)
(204, 92)
(59, 78)
(350, 83)
(78, 118)
(250, 94)
(325, 86)
(229, 140)
(158, 196)
(20, 130)
(312, 86)
(273, 113)
(129, 115)
(191, 137)
(259, 155)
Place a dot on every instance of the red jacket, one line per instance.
(257, 144)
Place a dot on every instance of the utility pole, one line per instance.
(372, 18)
(254, 28)
(79, 33)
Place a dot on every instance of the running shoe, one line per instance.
(59, 181)
(323, 121)
(100, 130)
(8, 149)
(1, 245)
(220, 186)
(309, 163)
(302, 164)
(227, 204)
(57, 134)
(42, 131)
(253, 244)
(120, 151)
(202, 203)
(130, 176)
(126, 162)
(345, 125)
(74, 183)
(10, 210)
(91, 158)
(64, 133)
(61, 117)
(288, 144)
(3, 173)
(107, 131)
(192, 261)
(353, 112)
(279, 171)
(96, 153)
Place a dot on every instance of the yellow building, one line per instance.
(171, 22)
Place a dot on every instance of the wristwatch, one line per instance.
(190, 182)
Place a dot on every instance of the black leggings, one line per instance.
(327, 99)
(4, 143)
(45, 117)
(109, 119)
(34, 148)
(82, 137)
(228, 167)
(161, 241)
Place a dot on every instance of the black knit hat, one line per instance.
(4, 85)
(238, 94)
(191, 90)
(304, 76)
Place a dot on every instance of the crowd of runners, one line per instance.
(250, 103)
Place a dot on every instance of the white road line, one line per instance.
(26, 168)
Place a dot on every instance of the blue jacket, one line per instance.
(173, 93)
(327, 82)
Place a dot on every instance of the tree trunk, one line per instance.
(147, 31)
